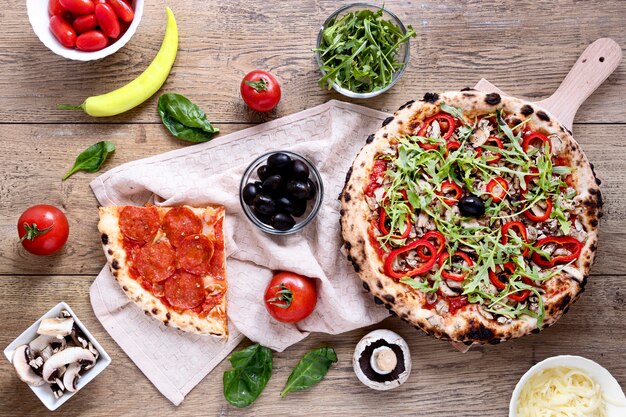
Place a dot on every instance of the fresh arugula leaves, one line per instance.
(184, 119)
(359, 51)
(92, 158)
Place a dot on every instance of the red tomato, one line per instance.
(55, 8)
(290, 297)
(85, 23)
(43, 229)
(107, 20)
(260, 91)
(63, 31)
(78, 6)
(91, 41)
(122, 10)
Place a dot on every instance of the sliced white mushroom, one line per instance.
(56, 327)
(57, 390)
(70, 377)
(25, 372)
(382, 360)
(43, 342)
(53, 366)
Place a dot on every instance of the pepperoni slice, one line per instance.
(195, 253)
(139, 223)
(184, 290)
(179, 223)
(156, 262)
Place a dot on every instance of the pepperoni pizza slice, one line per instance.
(170, 261)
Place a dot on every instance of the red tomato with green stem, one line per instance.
(107, 20)
(260, 91)
(94, 40)
(63, 31)
(290, 297)
(43, 229)
(79, 7)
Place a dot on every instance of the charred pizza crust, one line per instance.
(468, 325)
(214, 324)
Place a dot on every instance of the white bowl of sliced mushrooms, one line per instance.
(57, 356)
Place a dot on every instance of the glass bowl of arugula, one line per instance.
(362, 50)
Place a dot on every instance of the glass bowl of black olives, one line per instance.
(281, 192)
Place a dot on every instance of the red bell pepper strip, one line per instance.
(445, 122)
(447, 187)
(440, 244)
(528, 213)
(378, 171)
(533, 138)
(494, 277)
(449, 275)
(497, 187)
(453, 145)
(421, 269)
(382, 220)
(571, 244)
(520, 230)
(496, 157)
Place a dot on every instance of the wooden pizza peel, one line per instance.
(594, 66)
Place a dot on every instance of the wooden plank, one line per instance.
(36, 156)
(443, 382)
(526, 48)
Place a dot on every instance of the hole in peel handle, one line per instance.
(594, 66)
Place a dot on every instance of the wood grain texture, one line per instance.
(525, 48)
(443, 381)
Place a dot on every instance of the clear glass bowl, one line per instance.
(403, 54)
(313, 206)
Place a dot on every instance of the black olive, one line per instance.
(312, 190)
(278, 160)
(299, 170)
(282, 221)
(264, 204)
(298, 189)
(263, 218)
(264, 172)
(292, 206)
(272, 184)
(249, 192)
(471, 206)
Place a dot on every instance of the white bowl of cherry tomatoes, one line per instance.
(84, 30)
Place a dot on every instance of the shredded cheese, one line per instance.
(561, 392)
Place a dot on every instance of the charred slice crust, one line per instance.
(468, 325)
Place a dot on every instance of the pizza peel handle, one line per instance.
(595, 64)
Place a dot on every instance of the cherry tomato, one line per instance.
(78, 6)
(43, 229)
(55, 8)
(63, 31)
(122, 10)
(290, 297)
(260, 91)
(85, 23)
(91, 41)
(107, 20)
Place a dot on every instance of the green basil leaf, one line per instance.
(252, 368)
(310, 370)
(92, 158)
(184, 119)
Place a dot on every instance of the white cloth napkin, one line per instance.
(329, 135)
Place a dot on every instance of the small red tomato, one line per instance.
(85, 23)
(94, 40)
(260, 91)
(63, 31)
(43, 229)
(122, 10)
(78, 6)
(290, 297)
(55, 8)
(107, 20)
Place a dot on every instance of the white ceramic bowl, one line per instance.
(40, 21)
(609, 385)
(44, 392)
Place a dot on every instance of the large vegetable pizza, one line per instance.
(472, 216)
(170, 261)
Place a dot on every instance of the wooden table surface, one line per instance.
(525, 48)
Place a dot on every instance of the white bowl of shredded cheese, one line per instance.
(563, 386)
